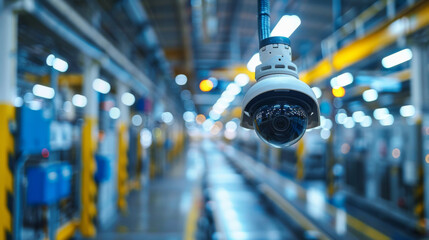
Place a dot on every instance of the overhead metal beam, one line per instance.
(369, 44)
(94, 35)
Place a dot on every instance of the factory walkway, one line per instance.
(161, 210)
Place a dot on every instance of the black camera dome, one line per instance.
(280, 124)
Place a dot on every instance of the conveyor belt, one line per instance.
(309, 206)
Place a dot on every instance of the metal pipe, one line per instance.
(263, 19)
(90, 50)
(94, 35)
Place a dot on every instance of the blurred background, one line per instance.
(120, 119)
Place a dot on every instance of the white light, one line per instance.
(60, 65)
(228, 98)
(253, 62)
(189, 116)
(145, 138)
(342, 80)
(325, 133)
(114, 113)
(327, 124)
(233, 88)
(214, 115)
(387, 121)
(340, 118)
(79, 100)
(208, 124)
(35, 105)
(358, 116)
(101, 86)
(67, 106)
(397, 58)
(286, 26)
(241, 79)
(317, 92)
(43, 91)
(219, 108)
(349, 123)
(407, 111)
(370, 95)
(50, 60)
(18, 102)
(366, 122)
(128, 99)
(167, 117)
(230, 135)
(137, 120)
(231, 126)
(181, 79)
(380, 113)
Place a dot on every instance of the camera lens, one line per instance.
(280, 125)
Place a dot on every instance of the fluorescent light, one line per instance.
(340, 118)
(208, 124)
(407, 111)
(233, 88)
(189, 116)
(380, 113)
(167, 117)
(79, 100)
(35, 105)
(214, 115)
(101, 86)
(60, 65)
(349, 123)
(370, 95)
(128, 98)
(253, 62)
(50, 60)
(388, 120)
(241, 79)
(342, 80)
(231, 126)
(18, 102)
(286, 26)
(327, 123)
(137, 120)
(181, 79)
(366, 121)
(114, 113)
(145, 138)
(358, 116)
(317, 92)
(325, 133)
(43, 91)
(397, 58)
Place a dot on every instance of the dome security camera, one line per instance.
(279, 106)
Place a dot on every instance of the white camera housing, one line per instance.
(279, 88)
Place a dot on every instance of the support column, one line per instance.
(123, 141)
(8, 72)
(89, 147)
(418, 81)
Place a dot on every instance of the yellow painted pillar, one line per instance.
(89, 148)
(8, 70)
(300, 167)
(123, 143)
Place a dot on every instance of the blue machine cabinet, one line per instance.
(42, 184)
(64, 171)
